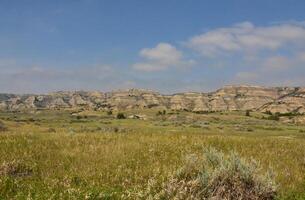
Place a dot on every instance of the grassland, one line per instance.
(93, 155)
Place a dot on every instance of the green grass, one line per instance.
(100, 157)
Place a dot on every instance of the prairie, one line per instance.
(93, 155)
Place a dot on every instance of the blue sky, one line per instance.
(169, 45)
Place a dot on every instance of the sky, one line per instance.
(164, 45)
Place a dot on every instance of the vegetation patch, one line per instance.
(121, 116)
(2, 127)
(51, 130)
(214, 176)
(161, 113)
(15, 169)
(101, 157)
(274, 117)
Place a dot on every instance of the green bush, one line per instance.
(161, 113)
(51, 130)
(121, 116)
(275, 117)
(213, 176)
(15, 169)
(268, 112)
(2, 127)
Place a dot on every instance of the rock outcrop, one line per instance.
(229, 98)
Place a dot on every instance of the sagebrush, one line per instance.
(214, 176)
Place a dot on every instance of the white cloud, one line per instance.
(276, 70)
(246, 76)
(161, 57)
(6, 63)
(163, 53)
(301, 57)
(149, 66)
(281, 63)
(39, 79)
(276, 63)
(245, 37)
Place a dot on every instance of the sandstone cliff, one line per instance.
(275, 99)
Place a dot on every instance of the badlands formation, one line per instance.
(228, 98)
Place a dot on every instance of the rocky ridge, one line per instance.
(228, 98)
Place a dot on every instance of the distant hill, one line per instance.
(228, 98)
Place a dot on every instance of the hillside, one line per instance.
(229, 98)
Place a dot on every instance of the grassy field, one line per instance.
(93, 155)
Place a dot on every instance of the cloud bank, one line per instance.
(161, 57)
(248, 38)
(243, 53)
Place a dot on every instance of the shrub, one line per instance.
(268, 112)
(2, 127)
(116, 129)
(161, 113)
(204, 112)
(51, 130)
(213, 176)
(15, 169)
(275, 117)
(109, 112)
(121, 116)
(31, 120)
(289, 114)
(250, 130)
